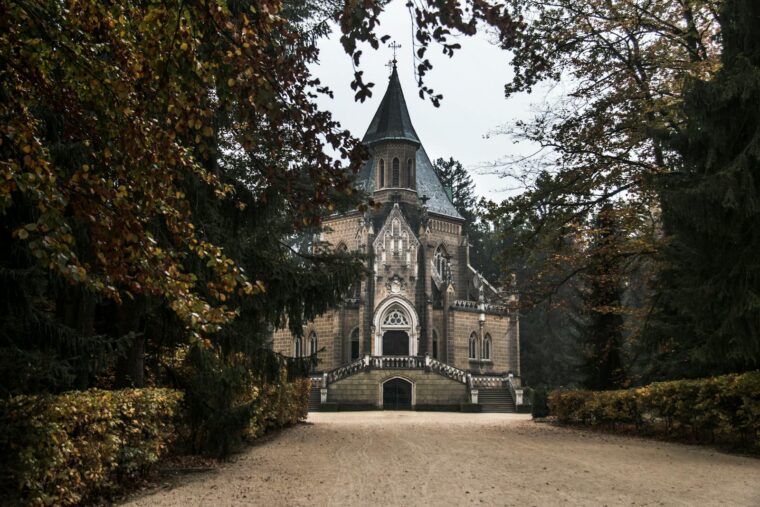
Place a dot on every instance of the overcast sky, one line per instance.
(472, 84)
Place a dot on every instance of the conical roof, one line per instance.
(391, 121)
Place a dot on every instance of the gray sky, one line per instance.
(472, 84)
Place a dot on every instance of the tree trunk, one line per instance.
(130, 369)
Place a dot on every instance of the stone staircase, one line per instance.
(314, 399)
(497, 399)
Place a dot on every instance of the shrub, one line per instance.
(219, 401)
(66, 449)
(728, 406)
(539, 405)
(279, 405)
(225, 403)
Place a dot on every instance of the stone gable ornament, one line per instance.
(396, 285)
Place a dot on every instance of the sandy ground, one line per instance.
(419, 458)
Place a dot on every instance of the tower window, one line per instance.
(396, 173)
(313, 342)
(441, 262)
(487, 347)
(355, 344)
(297, 348)
(382, 173)
(473, 346)
(409, 182)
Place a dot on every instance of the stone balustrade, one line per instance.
(393, 362)
(397, 362)
(345, 370)
(449, 371)
(462, 304)
(486, 382)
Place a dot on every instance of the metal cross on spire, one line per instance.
(394, 47)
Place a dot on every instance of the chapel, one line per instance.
(424, 330)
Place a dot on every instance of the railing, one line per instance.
(449, 371)
(316, 381)
(400, 362)
(473, 306)
(515, 389)
(346, 370)
(487, 382)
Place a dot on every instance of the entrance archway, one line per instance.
(395, 343)
(397, 394)
(395, 318)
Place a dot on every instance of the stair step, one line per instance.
(496, 400)
(314, 400)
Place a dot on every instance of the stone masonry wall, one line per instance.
(504, 346)
(365, 388)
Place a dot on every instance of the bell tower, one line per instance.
(393, 144)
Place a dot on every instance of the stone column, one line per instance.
(448, 296)
(368, 305)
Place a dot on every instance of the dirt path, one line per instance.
(424, 458)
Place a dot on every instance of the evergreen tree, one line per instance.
(485, 245)
(599, 323)
(457, 180)
(707, 316)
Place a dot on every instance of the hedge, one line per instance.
(65, 449)
(279, 405)
(78, 447)
(725, 407)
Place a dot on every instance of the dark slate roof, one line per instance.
(392, 122)
(428, 184)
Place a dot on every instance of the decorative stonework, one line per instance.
(396, 318)
(396, 285)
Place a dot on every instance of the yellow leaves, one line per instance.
(89, 429)
(183, 46)
(251, 289)
(22, 233)
(231, 82)
(26, 149)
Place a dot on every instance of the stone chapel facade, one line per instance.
(423, 329)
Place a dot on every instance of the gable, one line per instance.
(396, 243)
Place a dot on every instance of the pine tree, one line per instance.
(457, 180)
(600, 323)
(707, 317)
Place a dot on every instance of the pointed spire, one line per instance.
(391, 121)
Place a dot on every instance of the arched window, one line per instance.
(297, 347)
(342, 248)
(313, 345)
(487, 347)
(355, 344)
(435, 345)
(441, 261)
(382, 174)
(473, 346)
(409, 182)
(396, 173)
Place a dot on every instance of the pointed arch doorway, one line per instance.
(395, 343)
(397, 394)
(396, 328)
